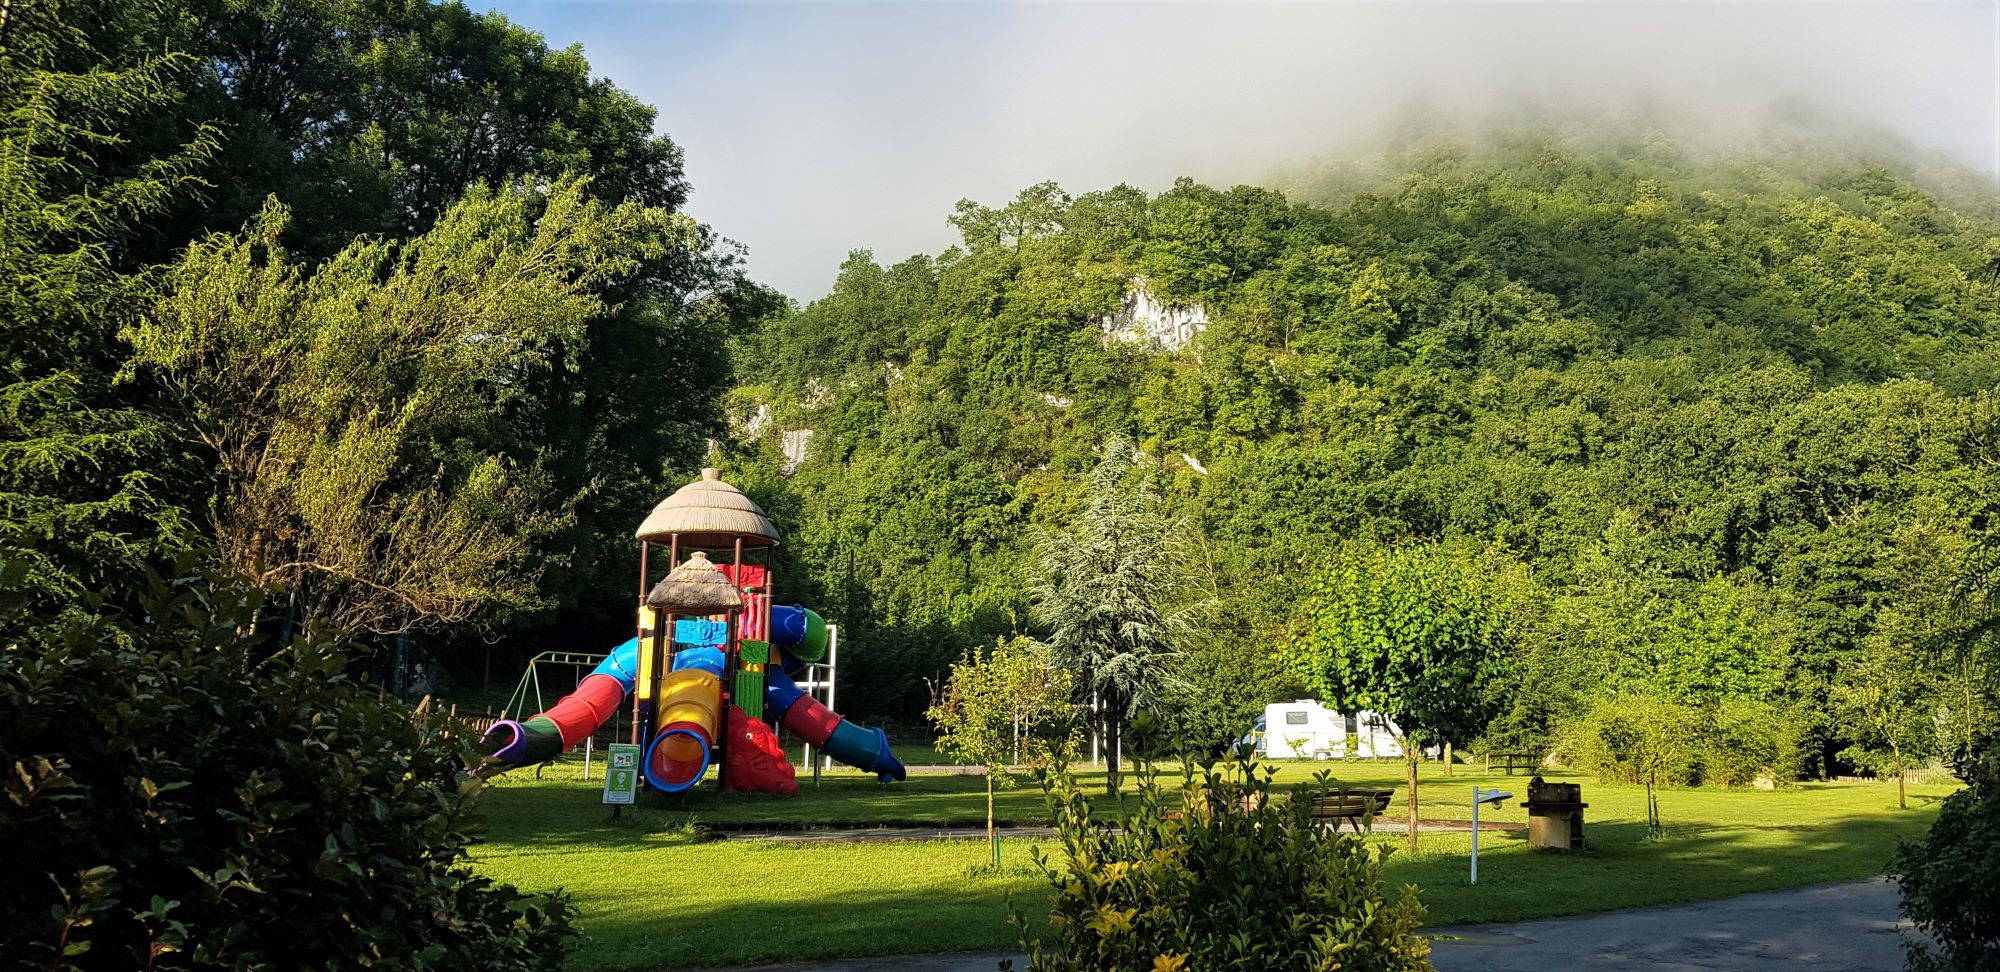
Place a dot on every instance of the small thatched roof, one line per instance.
(709, 513)
(695, 587)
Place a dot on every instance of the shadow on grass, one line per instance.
(881, 921)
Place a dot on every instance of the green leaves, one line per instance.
(1418, 632)
(356, 409)
(1010, 705)
(249, 807)
(1218, 872)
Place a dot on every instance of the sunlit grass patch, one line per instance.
(655, 893)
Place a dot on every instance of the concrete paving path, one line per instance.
(1830, 928)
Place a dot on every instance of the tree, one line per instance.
(1004, 707)
(1889, 700)
(1416, 632)
(82, 498)
(1947, 879)
(356, 410)
(1117, 592)
(1639, 737)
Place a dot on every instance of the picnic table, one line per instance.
(1509, 762)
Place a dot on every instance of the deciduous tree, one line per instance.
(1417, 632)
(356, 409)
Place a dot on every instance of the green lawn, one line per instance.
(653, 896)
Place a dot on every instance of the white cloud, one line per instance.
(814, 129)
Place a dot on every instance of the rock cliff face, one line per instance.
(1143, 319)
(794, 444)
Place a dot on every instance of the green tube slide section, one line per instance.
(543, 739)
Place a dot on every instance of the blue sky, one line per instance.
(814, 129)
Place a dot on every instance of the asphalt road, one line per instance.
(1830, 928)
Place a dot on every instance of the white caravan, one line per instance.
(1308, 730)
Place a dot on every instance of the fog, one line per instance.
(811, 130)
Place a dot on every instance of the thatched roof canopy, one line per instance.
(709, 513)
(695, 587)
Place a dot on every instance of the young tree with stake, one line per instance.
(1007, 703)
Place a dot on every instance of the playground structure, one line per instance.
(710, 694)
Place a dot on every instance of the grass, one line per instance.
(653, 895)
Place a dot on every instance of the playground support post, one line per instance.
(638, 625)
(832, 666)
(734, 621)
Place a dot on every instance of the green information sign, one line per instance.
(621, 774)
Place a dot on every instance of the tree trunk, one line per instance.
(1902, 797)
(1112, 731)
(992, 834)
(1447, 759)
(1410, 762)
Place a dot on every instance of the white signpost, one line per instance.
(1480, 796)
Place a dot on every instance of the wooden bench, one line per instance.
(1512, 761)
(1358, 807)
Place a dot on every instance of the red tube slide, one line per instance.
(811, 720)
(583, 710)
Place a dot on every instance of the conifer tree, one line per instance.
(1117, 594)
(81, 494)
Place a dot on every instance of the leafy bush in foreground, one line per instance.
(1238, 881)
(184, 796)
(1950, 880)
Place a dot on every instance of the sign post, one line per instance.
(1480, 797)
(621, 774)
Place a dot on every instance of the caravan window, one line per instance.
(1353, 725)
(1296, 717)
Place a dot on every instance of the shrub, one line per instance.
(1632, 737)
(1636, 739)
(1950, 880)
(1749, 739)
(181, 796)
(1219, 887)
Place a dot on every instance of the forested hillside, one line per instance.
(1726, 416)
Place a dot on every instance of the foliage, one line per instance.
(194, 797)
(1417, 633)
(82, 498)
(1702, 397)
(357, 410)
(155, 125)
(374, 118)
(1890, 700)
(1221, 685)
(1239, 880)
(1947, 877)
(1639, 738)
(1117, 594)
(1008, 706)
